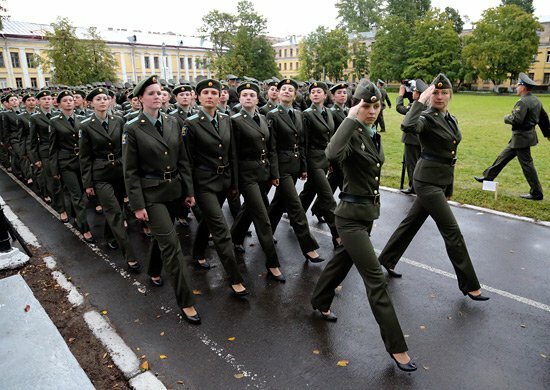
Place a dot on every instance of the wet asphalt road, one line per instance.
(280, 343)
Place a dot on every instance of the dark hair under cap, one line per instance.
(318, 84)
(26, 96)
(287, 82)
(338, 86)
(442, 82)
(367, 91)
(247, 85)
(62, 94)
(208, 83)
(140, 87)
(96, 91)
(8, 97)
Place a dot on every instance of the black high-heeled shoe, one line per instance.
(479, 297)
(317, 259)
(319, 217)
(206, 265)
(330, 317)
(193, 320)
(134, 268)
(281, 278)
(392, 273)
(156, 282)
(240, 294)
(408, 367)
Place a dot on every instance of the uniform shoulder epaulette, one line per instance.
(35, 113)
(173, 112)
(222, 114)
(193, 117)
(308, 109)
(132, 120)
(236, 115)
(275, 110)
(85, 120)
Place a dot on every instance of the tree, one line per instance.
(3, 15)
(358, 15)
(433, 48)
(360, 58)
(101, 63)
(388, 52)
(219, 28)
(324, 54)
(526, 5)
(499, 48)
(452, 15)
(409, 10)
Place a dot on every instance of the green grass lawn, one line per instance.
(484, 135)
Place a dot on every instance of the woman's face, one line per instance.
(66, 103)
(209, 97)
(248, 99)
(101, 102)
(136, 105)
(340, 96)
(184, 98)
(440, 99)
(287, 93)
(368, 112)
(317, 95)
(273, 93)
(152, 97)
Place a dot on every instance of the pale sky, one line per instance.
(285, 17)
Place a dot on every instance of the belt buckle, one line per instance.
(453, 161)
(296, 149)
(220, 169)
(377, 198)
(76, 150)
(167, 176)
(262, 157)
(111, 157)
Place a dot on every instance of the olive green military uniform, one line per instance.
(40, 151)
(361, 157)
(433, 182)
(214, 163)
(524, 118)
(12, 138)
(318, 127)
(412, 144)
(289, 140)
(64, 162)
(24, 144)
(257, 159)
(101, 166)
(267, 107)
(385, 99)
(157, 176)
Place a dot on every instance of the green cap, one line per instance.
(318, 84)
(526, 81)
(247, 85)
(442, 82)
(63, 94)
(140, 87)
(338, 86)
(79, 92)
(182, 88)
(26, 96)
(96, 91)
(208, 83)
(367, 91)
(287, 82)
(420, 85)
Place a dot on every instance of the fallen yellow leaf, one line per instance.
(103, 312)
(104, 355)
(197, 292)
(180, 382)
(163, 357)
(425, 367)
(342, 363)
(144, 366)
(422, 327)
(338, 289)
(231, 339)
(239, 376)
(162, 333)
(543, 356)
(316, 352)
(71, 339)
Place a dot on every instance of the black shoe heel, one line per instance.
(408, 367)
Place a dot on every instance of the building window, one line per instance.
(280, 55)
(547, 57)
(297, 65)
(19, 82)
(297, 52)
(15, 60)
(47, 81)
(189, 63)
(2, 64)
(147, 63)
(291, 52)
(34, 83)
(285, 53)
(285, 66)
(290, 66)
(546, 79)
(182, 62)
(32, 61)
(156, 62)
(279, 65)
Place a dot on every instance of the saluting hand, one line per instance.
(141, 215)
(189, 201)
(402, 90)
(90, 191)
(427, 94)
(352, 113)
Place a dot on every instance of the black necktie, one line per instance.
(71, 121)
(325, 116)
(257, 119)
(48, 115)
(105, 125)
(215, 124)
(291, 114)
(158, 125)
(452, 123)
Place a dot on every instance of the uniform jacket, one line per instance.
(525, 116)
(39, 134)
(147, 156)
(437, 139)
(361, 162)
(338, 115)
(24, 131)
(267, 107)
(385, 99)
(317, 133)
(63, 144)
(181, 115)
(100, 151)
(10, 127)
(212, 153)
(256, 152)
(289, 140)
(400, 107)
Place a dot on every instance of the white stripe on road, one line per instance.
(23, 230)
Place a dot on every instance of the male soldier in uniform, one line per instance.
(24, 129)
(10, 129)
(385, 99)
(525, 116)
(412, 144)
(272, 96)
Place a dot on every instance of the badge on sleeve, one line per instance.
(124, 138)
(79, 133)
(184, 131)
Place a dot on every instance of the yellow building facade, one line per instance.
(137, 54)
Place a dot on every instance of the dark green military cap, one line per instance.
(420, 85)
(247, 85)
(96, 91)
(130, 95)
(111, 93)
(232, 77)
(79, 92)
(42, 94)
(287, 82)
(166, 88)
(26, 96)
(8, 97)
(62, 94)
(182, 88)
(526, 81)
(271, 82)
(367, 91)
(380, 81)
(224, 86)
(318, 84)
(140, 87)
(338, 86)
(442, 82)
(208, 83)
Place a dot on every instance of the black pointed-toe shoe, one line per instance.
(240, 294)
(531, 197)
(193, 320)
(392, 273)
(317, 259)
(281, 278)
(408, 367)
(479, 297)
(330, 316)
(156, 282)
(407, 191)
(134, 268)
(480, 179)
(112, 245)
(205, 265)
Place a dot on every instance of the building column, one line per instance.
(186, 66)
(40, 73)
(152, 64)
(123, 67)
(194, 66)
(25, 68)
(142, 66)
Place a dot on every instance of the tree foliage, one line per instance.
(503, 43)
(454, 17)
(360, 58)
(409, 10)
(358, 15)
(324, 54)
(100, 60)
(3, 14)
(526, 5)
(388, 52)
(219, 28)
(433, 47)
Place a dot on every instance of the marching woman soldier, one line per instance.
(157, 176)
(214, 164)
(285, 125)
(65, 166)
(101, 165)
(184, 100)
(318, 128)
(356, 145)
(433, 182)
(272, 96)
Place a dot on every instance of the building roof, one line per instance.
(110, 35)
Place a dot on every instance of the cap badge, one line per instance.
(373, 98)
(247, 85)
(100, 90)
(439, 85)
(154, 79)
(210, 83)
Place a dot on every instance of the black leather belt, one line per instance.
(442, 160)
(109, 157)
(167, 176)
(75, 150)
(220, 169)
(363, 199)
(262, 158)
